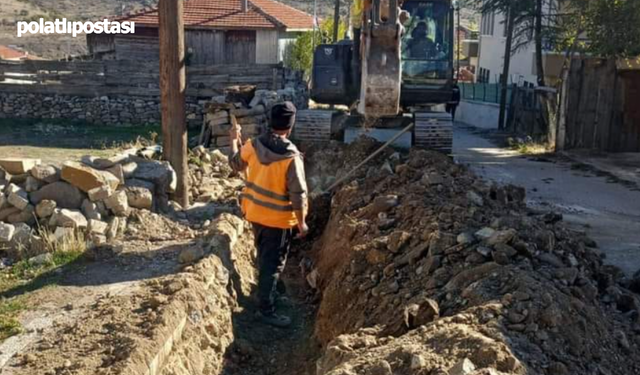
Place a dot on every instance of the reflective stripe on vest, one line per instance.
(264, 199)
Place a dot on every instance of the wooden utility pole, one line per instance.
(504, 80)
(172, 89)
(538, 40)
(336, 21)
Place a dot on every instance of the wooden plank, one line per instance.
(33, 66)
(267, 46)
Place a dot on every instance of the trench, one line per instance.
(407, 292)
(251, 347)
(259, 349)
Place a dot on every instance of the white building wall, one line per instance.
(492, 55)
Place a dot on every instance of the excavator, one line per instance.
(397, 71)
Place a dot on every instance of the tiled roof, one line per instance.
(7, 53)
(290, 17)
(261, 14)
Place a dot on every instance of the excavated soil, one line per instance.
(414, 266)
(424, 269)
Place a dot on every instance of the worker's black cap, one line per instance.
(283, 116)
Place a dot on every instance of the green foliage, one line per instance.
(608, 28)
(9, 324)
(299, 54)
(613, 27)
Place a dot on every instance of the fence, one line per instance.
(526, 116)
(119, 77)
(600, 106)
(483, 92)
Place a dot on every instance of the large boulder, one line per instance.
(45, 208)
(139, 197)
(8, 211)
(100, 193)
(46, 173)
(69, 219)
(27, 215)
(118, 203)
(160, 173)
(6, 232)
(134, 182)
(18, 199)
(90, 210)
(18, 165)
(64, 194)
(86, 178)
(98, 227)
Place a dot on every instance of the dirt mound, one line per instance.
(422, 266)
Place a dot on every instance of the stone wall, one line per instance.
(104, 110)
(119, 109)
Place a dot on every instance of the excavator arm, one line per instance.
(381, 69)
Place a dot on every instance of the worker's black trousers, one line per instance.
(273, 246)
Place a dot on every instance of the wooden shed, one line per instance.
(216, 32)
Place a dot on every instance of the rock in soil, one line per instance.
(511, 298)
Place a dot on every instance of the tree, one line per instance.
(504, 79)
(518, 14)
(299, 54)
(613, 27)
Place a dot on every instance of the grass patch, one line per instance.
(9, 324)
(528, 146)
(73, 133)
(26, 276)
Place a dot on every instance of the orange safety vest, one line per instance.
(265, 199)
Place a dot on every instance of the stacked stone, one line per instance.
(97, 110)
(94, 196)
(296, 89)
(217, 124)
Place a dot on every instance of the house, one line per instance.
(216, 32)
(466, 32)
(12, 54)
(522, 69)
(467, 41)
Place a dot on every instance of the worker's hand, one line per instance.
(235, 133)
(303, 230)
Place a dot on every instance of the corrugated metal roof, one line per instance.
(260, 14)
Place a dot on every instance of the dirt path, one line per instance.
(259, 349)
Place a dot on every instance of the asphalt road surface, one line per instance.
(609, 211)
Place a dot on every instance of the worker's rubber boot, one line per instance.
(273, 319)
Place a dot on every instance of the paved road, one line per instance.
(608, 211)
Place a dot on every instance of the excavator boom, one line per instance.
(381, 76)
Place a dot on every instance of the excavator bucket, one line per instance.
(381, 67)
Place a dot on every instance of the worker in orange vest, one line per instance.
(274, 200)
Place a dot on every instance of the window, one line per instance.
(487, 24)
(426, 43)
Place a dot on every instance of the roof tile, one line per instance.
(7, 53)
(261, 14)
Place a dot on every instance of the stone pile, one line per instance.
(425, 269)
(250, 109)
(94, 196)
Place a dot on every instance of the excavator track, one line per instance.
(433, 131)
(313, 125)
